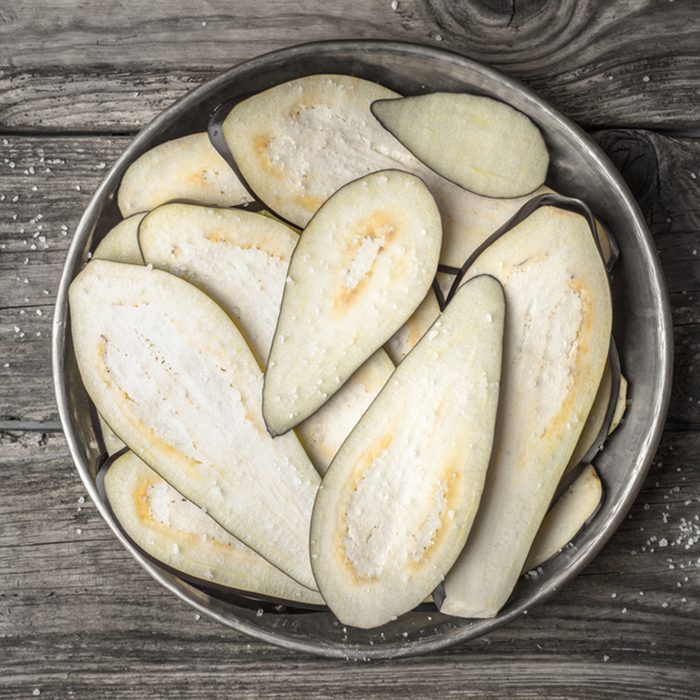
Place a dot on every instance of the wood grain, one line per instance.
(631, 63)
(45, 183)
(78, 616)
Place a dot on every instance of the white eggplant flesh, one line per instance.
(396, 506)
(240, 259)
(479, 143)
(361, 268)
(121, 244)
(172, 375)
(323, 433)
(182, 536)
(112, 442)
(556, 344)
(185, 168)
(566, 517)
(594, 421)
(621, 405)
(403, 341)
(297, 143)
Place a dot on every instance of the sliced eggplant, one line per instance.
(240, 259)
(403, 341)
(325, 431)
(297, 143)
(121, 244)
(479, 143)
(408, 335)
(112, 442)
(397, 503)
(556, 343)
(606, 408)
(595, 420)
(182, 536)
(361, 268)
(566, 517)
(175, 379)
(620, 406)
(184, 168)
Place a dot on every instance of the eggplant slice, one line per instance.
(361, 268)
(299, 142)
(620, 405)
(182, 536)
(175, 379)
(240, 259)
(566, 517)
(325, 431)
(121, 244)
(557, 340)
(479, 143)
(185, 168)
(397, 503)
(595, 420)
(111, 441)
(405, 339)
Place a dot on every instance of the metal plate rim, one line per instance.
(638, 470)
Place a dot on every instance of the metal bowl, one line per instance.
(642, 330)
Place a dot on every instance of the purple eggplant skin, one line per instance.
(577, 206)
(216, 137)
(231, 595)
(560, 201)
(374, 114)
(435, 284)
(217, 140)
(609, 414)
(234, 595)
(604, 432)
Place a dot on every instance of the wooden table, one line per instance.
(77, 615)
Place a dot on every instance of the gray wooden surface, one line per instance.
(78, 617)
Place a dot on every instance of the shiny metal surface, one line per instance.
(642, 331)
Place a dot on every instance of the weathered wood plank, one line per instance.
(659, 170)
(78, 616)
(115, 67)
(44, 186)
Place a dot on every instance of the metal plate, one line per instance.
(642, 330)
